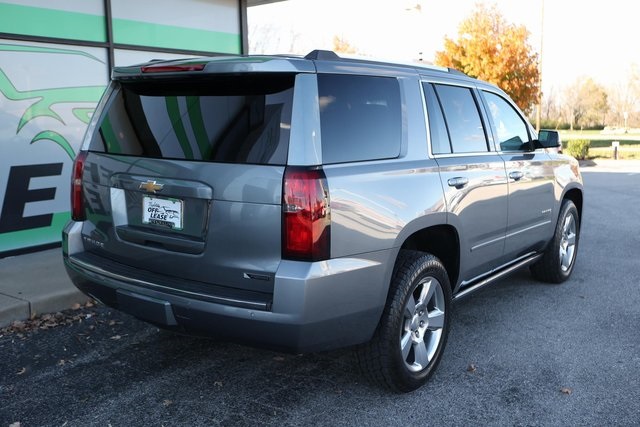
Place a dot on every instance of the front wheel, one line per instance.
(558, 260)
(412, 333)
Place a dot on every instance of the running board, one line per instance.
(498, 275)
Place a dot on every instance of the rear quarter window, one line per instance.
(360, 118)
(231, 119)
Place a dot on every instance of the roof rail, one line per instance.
(328, 55)
(456, 71)
(323, 55)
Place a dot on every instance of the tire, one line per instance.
(408, 343)
(559, 258)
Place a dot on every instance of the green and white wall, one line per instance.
(55, 61)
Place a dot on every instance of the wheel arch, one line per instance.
(576, 196)
(441, 241)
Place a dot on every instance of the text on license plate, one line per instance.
(163, 212)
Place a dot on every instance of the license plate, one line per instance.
(162, 212)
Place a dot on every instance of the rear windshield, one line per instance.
(227, 119)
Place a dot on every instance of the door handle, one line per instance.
(516, 175)
(458, 182)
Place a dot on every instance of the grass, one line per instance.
(627, 153)
(600, 143)
(599, 136)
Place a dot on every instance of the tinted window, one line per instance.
(438, 129)
(462, 118)
(510, 128)
(226, 119)
(360, 117)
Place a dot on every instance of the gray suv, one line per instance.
(307, 204)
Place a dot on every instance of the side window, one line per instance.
(511, 130)
(462, 119)
(360, 117)
(440, 143)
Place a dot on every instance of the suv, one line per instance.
(307, 204)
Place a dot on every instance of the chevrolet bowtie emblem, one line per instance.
(150, 186)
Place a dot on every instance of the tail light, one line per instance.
(171, 68)
(77, 202)
(306, 215)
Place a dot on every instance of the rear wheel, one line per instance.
(558, 260)
(410, 339)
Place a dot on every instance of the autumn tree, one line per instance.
(491, 49)
(342, 45)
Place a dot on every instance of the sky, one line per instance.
(582, 38)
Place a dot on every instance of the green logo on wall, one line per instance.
(44, 96)
(45, 99)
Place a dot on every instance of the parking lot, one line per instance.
(519, 353)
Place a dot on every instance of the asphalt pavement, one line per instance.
(35, 284)
(519, 353)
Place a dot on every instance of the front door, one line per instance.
(531, 180)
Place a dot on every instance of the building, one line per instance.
(55, 61)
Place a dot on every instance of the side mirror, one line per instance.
(548, 139)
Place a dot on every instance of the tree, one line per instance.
(551, 114)
(491, 49)
(342, 45)
(586, 103)
(625, 98)
(270, 38)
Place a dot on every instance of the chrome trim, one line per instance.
(524, 260)
(475, 279)
(492, 241)
(470, 154)
(515, 233)
(449, 79)
(129, 280)
(487, 243)
(427, 119)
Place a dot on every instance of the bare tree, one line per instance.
(551, 109)
(625, 98)
(270, 38)
(585, 103)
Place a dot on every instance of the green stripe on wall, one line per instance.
(36, 21)
(139, 33)
(35, 236)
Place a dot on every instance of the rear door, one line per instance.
(473, 176)
(184, 178)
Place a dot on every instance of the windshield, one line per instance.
(232, 119)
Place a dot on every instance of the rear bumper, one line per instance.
(315, 306)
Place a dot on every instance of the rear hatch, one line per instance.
(183, 180)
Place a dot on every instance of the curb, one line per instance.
(35, 284)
